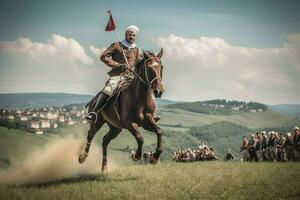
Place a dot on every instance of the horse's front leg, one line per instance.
(152, 126)
(133, 129)
(91, 133)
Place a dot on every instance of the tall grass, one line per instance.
(201, 180)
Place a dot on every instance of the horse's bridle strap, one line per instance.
(148, 83)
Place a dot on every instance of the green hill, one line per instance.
(291, 109)
(18, 143)
(32, 100)
(181, 118)
(221, 136)
(29, 100)
(219, 107)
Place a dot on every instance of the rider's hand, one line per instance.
(122, 67)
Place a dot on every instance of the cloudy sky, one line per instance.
(212, 49)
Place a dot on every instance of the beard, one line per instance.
(130, 40)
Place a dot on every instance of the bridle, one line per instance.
(147, 82)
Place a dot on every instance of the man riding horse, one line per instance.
(133, 106)
(114, 58)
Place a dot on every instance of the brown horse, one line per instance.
(136, 109)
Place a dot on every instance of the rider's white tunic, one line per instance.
(112, 84)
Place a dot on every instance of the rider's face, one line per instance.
(130, 37)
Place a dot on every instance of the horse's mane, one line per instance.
(142, 58)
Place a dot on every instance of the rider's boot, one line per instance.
(92, 116)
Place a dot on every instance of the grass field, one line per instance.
(201, 180)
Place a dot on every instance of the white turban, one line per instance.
(133, 28)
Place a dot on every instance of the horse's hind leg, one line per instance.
(111, 134)
(91, 133)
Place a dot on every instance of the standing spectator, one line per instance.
(264, 146)
(244, 149)
(252, 148)
(258, 146)
(280, 149)
(288, 146)
(272, 146)
(228, 156)
(296, 142)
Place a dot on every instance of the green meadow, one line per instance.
(198, 180)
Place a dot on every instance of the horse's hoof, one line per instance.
(152, 160)
(104, 169)
(133, 157)
(82, 157)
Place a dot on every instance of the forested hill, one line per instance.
(290, 109)
(31, 100)
(27, 100)
(219, 107)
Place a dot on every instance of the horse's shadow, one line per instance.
(81, 179)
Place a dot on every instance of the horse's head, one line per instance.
(152, 72)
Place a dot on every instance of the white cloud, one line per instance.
(58, 65)
(207, 67)
(25, 45)
(56, 45)
(97, 51)
(195, 68)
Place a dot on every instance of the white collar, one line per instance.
(128, 45)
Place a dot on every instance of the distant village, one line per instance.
(41, 120)
(219, 107)
(241, 107)
(235, 105)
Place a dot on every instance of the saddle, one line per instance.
(113, 100)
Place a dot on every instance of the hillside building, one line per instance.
(45, 124)
(39, 132)
(24, 118)
(35, 125)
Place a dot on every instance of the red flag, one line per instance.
(111, 24)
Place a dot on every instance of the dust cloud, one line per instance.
(54, 161)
